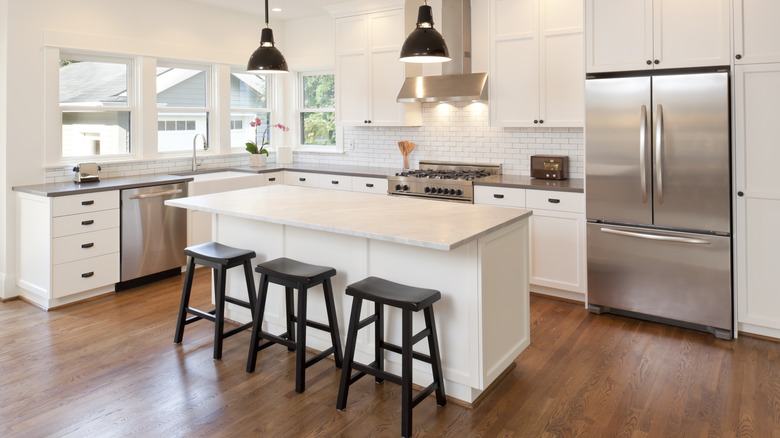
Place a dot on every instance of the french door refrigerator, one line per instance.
(658, 191)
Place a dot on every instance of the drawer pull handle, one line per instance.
(498, 196)
(89, 222)
(301, 179)
(553, 201)
(272, 179)
(369, 185)
(87, 202)
(334, 182)
(87, 274)
(88, 245)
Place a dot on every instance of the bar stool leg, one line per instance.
(290, 305)
(379, 338)
(406, 373)
(349, 354)
(257, 324)
(433, 347)
(300, 344)
(335, 337)
(219, 315)
(185, 301)
(250, 286)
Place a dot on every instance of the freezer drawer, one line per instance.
(679, 276)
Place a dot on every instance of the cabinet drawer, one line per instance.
(85, 223)
(82, 275)
(84, 203)
(335, 182)
(82, 246)
(555, 201)
(501, 196)
(369, 185)
(303, 179)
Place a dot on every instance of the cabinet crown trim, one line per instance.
(360, 7)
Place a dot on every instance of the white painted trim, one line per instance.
(359, 7)
(759, 330)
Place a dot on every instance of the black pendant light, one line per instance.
(424, 43)
(267, 58)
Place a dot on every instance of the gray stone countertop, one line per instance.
(74, 188)
(575, 185)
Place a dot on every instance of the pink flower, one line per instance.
(282, 127)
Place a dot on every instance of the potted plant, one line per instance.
(259, 155)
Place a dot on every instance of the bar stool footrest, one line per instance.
(238, 302)
(424, 393)
(274, 339)
(416, 355)
(199, 314)
(237, 330)
(322, 355)
(376, 372)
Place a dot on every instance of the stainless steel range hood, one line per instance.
(457, 83)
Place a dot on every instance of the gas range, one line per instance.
(441, 180)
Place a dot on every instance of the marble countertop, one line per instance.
(526, 182)
(74, 188)
(405, 220)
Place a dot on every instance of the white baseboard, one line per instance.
(758, 330)
(567, 295)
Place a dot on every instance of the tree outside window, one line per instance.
(317, 109)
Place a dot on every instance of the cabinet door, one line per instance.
(619, 35)
(691, 33)
(387, 72)
(758, 210)
(558, 250)
(352, 82)
(756, 33)
(514, 63)
(562, 85)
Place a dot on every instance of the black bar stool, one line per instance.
(409, 299)
(220, 258)
(293, 274)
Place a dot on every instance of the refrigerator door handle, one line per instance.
(643, 131)
(656, 236)
(659, 149)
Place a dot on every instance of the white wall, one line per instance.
(3, 125)
(172, 28)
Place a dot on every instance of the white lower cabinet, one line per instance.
(68, 245)
(302, 179)
(335, 182)
(557, 235)
(369, 185)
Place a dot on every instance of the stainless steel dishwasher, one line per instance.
(153, 234)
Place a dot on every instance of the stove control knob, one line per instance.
(446, 191)
(439, 190)
(459, 192)
(398, 186)
(406, 187)
(427, 190)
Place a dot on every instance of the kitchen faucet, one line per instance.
(194, 150)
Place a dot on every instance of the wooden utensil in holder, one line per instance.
(406, 148)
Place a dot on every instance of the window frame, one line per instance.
(209, 109)
(131, 105)
(299, 110)
(269, 107)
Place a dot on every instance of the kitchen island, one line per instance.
(477, 256)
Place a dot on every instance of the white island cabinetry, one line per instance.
(477, 257)
(557, 243)
(68, 246)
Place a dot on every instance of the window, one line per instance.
(182, 106)
(248, 100)
(317, 116)
(95, 105)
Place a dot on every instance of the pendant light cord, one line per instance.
(266, 13)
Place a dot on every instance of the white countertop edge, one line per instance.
(384, 237)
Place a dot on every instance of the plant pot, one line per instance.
(257, 160)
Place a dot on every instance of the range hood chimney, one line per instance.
(457, 82)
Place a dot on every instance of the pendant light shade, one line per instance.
(424, 43)
(267, 58)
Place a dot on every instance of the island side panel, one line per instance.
(454, 274)
(505, 302)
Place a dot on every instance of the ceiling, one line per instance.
(291, 9)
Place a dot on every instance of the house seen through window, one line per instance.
(248, 100)
(182, 106)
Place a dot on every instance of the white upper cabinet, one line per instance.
(648, 34)
(756, 31)
(536, 63)
(368, 72)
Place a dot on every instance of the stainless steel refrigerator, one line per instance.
(658, 191)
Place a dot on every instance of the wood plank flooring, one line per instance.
(109, 368)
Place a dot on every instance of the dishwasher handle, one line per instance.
(156, 194)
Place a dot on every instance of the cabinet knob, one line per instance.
(649, 62)
(301, 179)
(334, 182)
(553, 201)
(87, 202)
(740, 193)
(498, 196)
(656, 62)
(536, 121)
(369, 185)
(272, 179)
(541, 121)
(738, 56)
(87, 274)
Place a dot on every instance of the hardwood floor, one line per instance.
(109, 368)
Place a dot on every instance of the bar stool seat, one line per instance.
(409, 299)
(220, 258)
(293, 274)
